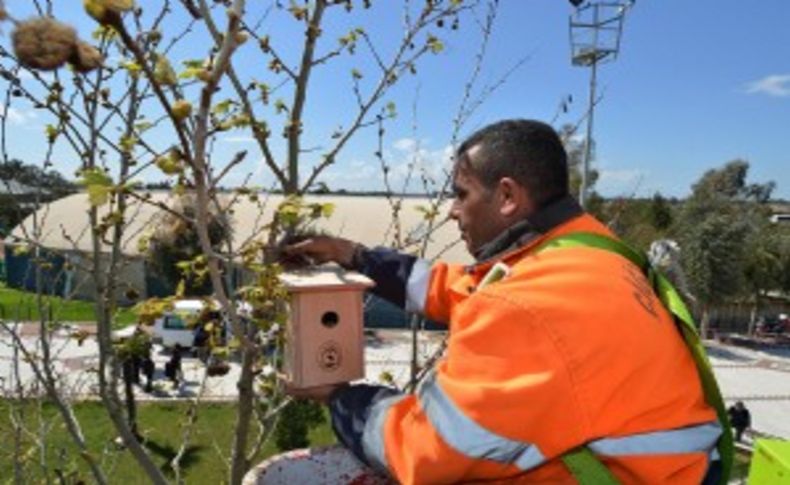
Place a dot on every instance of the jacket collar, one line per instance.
(533, 227)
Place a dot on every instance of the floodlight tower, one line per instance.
(595, 30)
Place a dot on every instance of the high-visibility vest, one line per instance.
(582, 463)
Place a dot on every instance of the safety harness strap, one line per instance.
(583, 464)
(586, 468)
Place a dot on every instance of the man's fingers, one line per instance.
(309, 249)
(319, 249)
(322, 249)
(300, 248)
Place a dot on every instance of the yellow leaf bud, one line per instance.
(241, 37)
(164, 73)
(204, 75)
(169, 165)
(181, 109)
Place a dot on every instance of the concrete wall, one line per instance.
(68, 274)
(130, 276)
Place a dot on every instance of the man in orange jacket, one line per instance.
(562, 349)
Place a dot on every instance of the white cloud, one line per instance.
(619, 181)
(263, 175)
(409, 163)
(360, 174)
(622, 175)
(774, 85)
(408, 159)
(405, 144)
(16, 116)
(435, 165)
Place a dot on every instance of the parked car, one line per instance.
(177, 326)
(773, 325)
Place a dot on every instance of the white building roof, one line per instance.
(64, 224)
(12, 187)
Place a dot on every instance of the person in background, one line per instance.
(173, 366)
(200, 342)
(740, 419)
(148, 367)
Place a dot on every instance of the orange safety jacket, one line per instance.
(571, 348)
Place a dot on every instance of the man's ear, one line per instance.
(514, 199)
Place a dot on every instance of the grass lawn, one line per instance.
(160, 423)
(21, 305)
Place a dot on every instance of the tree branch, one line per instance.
(294, 127)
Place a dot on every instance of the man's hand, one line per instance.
(320, 394)
(322, 249)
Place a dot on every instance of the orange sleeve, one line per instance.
(446, 288)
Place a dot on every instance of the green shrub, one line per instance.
(296, 420)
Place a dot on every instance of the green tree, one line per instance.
(714, 228)
(174, 253)
(766, 263)
(49, 181)
(659, 212)
(320, 188)
(42, 185)
(640, 222)
(574, 146)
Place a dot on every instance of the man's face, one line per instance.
(475, 208)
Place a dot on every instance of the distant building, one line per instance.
(780, 212)
(21, 195)
(12, 187)
(60, 233)
(17, 200)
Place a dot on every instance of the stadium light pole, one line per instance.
(595, 30)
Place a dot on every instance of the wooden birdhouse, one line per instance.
(325, 340)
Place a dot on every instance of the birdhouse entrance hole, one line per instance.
(330, 319)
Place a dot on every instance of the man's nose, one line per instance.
(454, 212)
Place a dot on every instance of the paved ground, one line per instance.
(760, 378)
(75, 363)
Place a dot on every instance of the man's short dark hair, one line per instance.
(528, 151)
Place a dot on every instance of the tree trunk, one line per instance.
(131, 408)
(244, 411)
(755, 311)
(704, 322)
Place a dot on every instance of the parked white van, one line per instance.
(177, 326)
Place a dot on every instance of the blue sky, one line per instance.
(697, 83)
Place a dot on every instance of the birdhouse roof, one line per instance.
(324, 278)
